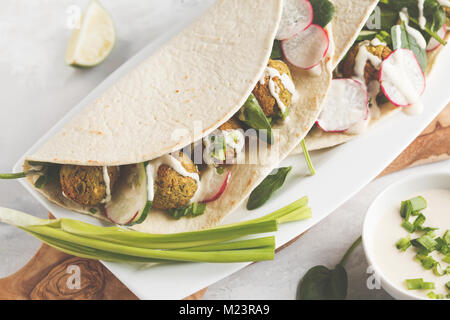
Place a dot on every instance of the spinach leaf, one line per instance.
(321, 283)
(323, 11)
(406, 41)
(192, 210)
(277, 53)
(253, 116)
(382, 18)
(265, 189)
(432, 10)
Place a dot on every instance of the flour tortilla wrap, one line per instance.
(350, 18)
(204, 74)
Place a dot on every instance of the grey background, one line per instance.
(38, 89)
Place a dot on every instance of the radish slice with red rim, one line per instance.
(434, 44)
(346, 104)
(217, 184)
(297, 16)
(307, 48)
(402, 79)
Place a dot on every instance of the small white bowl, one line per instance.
(395, 193)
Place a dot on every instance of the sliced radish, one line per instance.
(129, 204)
(434, 44)
(306, 49)
(346, 104)
(402, 79)
(217, 183)
(297, 16)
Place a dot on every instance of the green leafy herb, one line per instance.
(433, 13)
(366, 35)
(385, 37)
(192, 210)
(432, 10)
(277, 53)
(253, 116)
(321, 283)
(323, 10)
(93, 210)
(220, 170)
(262, 193)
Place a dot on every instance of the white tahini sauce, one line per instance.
(421, 42)
(362, 58)
(234, 139)
(373, 88)
(444, 3)
(397, 266)
(396, 75)
(422, 19)
(172, 162)
(107, 184)
(274, 89)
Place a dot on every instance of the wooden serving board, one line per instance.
(48, 273)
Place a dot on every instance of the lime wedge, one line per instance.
(90, 44)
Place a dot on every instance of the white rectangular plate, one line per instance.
(341, 172)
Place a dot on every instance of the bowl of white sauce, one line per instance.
(382, 229)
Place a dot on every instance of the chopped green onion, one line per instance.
(446, 258)
(19, 175)
(419, 284)
(446, 237)
(403, 243)
(418, 203)
(428, 262)
(124, 245)
(420, 220)
(433, 295)
(425, 242)
(405, 209)
(442, 246)
(308, 158)
(192, 210)
(408, 226)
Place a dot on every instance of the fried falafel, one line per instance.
(262, 92)
(173, 190)
(85, 184)
(347, 66)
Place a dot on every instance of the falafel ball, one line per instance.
(370, 72)
(172, 190)
(232, 124)
(262, 91)
(85, 184)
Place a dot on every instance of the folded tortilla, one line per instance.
(349, 20)
(205, 74)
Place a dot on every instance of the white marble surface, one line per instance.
(38, 89)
